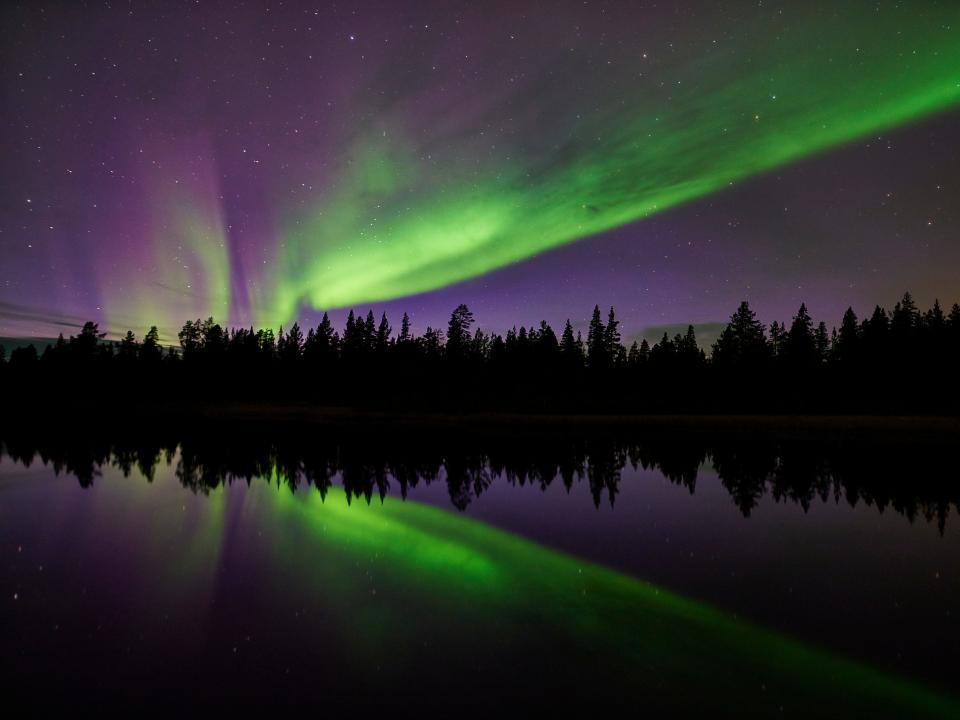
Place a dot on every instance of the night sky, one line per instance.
(263, 161)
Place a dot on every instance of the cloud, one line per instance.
(707, 333)
(16, 313)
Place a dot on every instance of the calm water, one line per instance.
(371, 569)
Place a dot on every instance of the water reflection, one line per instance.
(914, 480)
(365, 575)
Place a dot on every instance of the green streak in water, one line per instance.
(640, 635)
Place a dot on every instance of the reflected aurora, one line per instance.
(397, 584)
(648, 632)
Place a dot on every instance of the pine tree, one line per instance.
(934, 317)
(567, 341)
(326, 335)
(458, 331)
(742, 342)
(150, 350)
(350, 338)
(292, 348)
(611, 336)
(267, 343)
(129, 348)
(800, 345)
(778, 336)
(644, 352)
(846, 347)
(664, 353)
(821, 341)
(874, 334)
(953, 319)
(370, 332)
(904, 318)
(596, 341)
(383, 333)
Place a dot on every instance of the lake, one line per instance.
(448, 569)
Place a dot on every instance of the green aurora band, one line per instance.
(392, 224)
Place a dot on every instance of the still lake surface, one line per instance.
(682, 571)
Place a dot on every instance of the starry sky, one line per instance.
(266, 161)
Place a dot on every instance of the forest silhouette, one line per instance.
(903, 360)
(795, 467)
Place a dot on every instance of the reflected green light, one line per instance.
(493, 579)
(397, 584)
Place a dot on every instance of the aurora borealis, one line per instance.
(264, 163)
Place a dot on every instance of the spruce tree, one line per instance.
(611, 336)
(800, 345)
(568, 343)
(742, 342)
(846, 347)
(821, 341)
(596, 341)
(383, 333)
(458, 331)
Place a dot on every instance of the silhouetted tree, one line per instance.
(778, 336)
(644, 352)
(432, 343)
(290, 350)
(689, 356)
(320, 346)
(611, 336)
(383, 334)
(800, 347)
(904, 318)
(190, 337)
(569, 349)
(597, 355)
(129, 349)
(663, 354)
(150, 350)
(846, 347)
(742, 342)
(458, 332)
(874, 333)
(267, 343)
(821, 341)
(953, 332)
(214, 341)
(370, 332)
(24, 358)
(405, 335)
(85, 345)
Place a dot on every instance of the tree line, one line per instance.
(903, 359)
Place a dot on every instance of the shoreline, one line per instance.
(302, 416)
